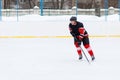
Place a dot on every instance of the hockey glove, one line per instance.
(80, 37)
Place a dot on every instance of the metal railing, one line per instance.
(50, 12)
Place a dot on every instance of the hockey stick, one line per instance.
(85, 55)
(82, 50)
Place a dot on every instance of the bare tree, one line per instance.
(90, 4)
(29, 1)
(7, 4)
(73, 3)
(58, 4)
(113, 3)
(33, 2)
(53, 2)
(62, 3)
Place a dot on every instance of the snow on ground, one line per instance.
(35, 17)
(56, 58)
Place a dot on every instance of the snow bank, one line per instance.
(34, 17)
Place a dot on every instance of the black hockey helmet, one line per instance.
(73, 18)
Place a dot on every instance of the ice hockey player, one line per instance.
(80, 35)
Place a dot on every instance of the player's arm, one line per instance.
(71, 32)
(81, 29)
(82, 32)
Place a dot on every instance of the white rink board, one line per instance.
(35, 25)
(56, 28)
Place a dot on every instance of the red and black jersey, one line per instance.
(77, 29)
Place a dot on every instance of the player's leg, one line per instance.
(86, 44)
(77, 45)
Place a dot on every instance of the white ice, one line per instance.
(57, 59)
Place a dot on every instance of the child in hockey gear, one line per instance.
(78, 31)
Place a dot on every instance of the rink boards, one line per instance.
(56, 29)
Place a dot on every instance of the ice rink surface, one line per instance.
(57, 59)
